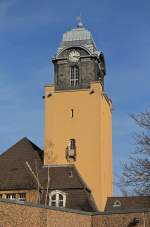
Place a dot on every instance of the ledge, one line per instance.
(143, 210)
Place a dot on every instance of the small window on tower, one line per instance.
(74, 76)
(72, 113)
(71, 150)
(72, 144)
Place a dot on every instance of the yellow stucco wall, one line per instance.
(90, 126)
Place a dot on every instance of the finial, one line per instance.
(79, 20)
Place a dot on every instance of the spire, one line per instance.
(79, 20)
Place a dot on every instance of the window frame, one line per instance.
(74, 76)
(57, 199)
(11, 196)
(72, 144)
(22, 196)
(117, 203)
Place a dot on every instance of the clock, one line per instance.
(74, 56)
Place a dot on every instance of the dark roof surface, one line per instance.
(127, 203)
(15, 174)
(61, 177)
(80, 200)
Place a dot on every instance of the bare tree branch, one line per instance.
(135, 177)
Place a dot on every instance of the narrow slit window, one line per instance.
(72, 113)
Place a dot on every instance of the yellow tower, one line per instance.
(78, 127)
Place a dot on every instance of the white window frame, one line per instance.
(74, 76)
(117, 203)
(57, 200)
(11, 196)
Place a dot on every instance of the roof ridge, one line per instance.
(134, 196)
(25, 140)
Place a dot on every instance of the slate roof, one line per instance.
(127, 203)
(60, 178)
(13, 170)
(78, 36)
(14, 175)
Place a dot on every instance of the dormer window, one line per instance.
(74, 76)
(117, 203)
(57, 199)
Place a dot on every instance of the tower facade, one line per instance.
(78, 127)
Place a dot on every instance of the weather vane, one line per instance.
(79, 20)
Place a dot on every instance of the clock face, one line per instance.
(74, 56)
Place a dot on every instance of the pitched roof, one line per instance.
(62, 177)
(80, 200)
(13, 170)
(15, 174)
(127, 203)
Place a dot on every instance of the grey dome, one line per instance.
(78, 37)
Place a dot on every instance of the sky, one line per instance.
(31, 32)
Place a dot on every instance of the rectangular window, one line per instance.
(74, 76)
(72, 143)
(22, 197)
(11, 196)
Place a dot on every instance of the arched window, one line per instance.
(57, 198)
(74, 76)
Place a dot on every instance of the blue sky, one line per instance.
(30, 33)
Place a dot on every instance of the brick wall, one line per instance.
(17, 215)
(118, 220)
(13, 214)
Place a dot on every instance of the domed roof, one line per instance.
(78, 36)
